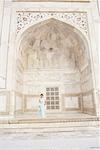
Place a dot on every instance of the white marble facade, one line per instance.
(49, 45)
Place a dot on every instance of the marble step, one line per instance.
(47, 125)
(49, 120)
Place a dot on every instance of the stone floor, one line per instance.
(78, 140)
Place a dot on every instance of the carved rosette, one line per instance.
(78, 19)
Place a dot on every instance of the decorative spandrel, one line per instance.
(78, 19)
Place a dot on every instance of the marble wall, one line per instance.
(19, 86)
(4, 39)
(19, 77)
(87, 90)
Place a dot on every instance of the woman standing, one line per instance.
(42, 106)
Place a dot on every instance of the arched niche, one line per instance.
(54, 54)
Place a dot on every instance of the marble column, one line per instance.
(2, 78)
(5, 26)
(96, 54)
(5, 17)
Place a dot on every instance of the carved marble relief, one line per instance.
(48, 46)
(49, 51)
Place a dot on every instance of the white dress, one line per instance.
(42, 107)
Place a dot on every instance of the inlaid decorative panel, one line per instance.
(52, 98)
(88, 100)
(31, 103)
(2, 81)
(19, 103)
(25, 18)
(71, 103)
(4, 103)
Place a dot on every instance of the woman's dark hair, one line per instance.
(41, 94)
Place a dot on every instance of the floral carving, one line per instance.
(79, 19)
